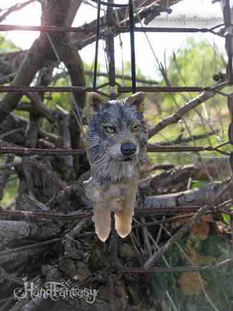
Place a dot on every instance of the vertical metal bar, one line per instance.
(229, 40)
(109, 39)
(132, 44)
(97, 45)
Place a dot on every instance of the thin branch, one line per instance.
(193, 103)
(143, 271)
(6, 148)
(15, 8)
(177, 236)
(183, 140)
(200, 196)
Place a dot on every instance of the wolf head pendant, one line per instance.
(116, 148)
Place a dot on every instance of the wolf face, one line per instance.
(116, 138)
(116, 148)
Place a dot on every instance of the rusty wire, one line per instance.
(86, 30)
(151, 148)
(25, 89)
(79, 215)
(121, 89)
(142, 271)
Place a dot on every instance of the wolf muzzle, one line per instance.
(128, 149)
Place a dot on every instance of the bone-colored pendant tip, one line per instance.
(123, 235)
(102, 219)
(102, 238)
(123, 229)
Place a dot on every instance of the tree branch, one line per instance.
(213, 193)
(52, 14)
(193, 103)
(15, 8)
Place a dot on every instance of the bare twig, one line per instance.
(193, 103)
(219, 265)
(183, 140)
(204, 195)
(14, 8)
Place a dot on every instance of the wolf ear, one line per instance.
(95, 102)
(137, 101)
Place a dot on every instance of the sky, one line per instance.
(187, 13)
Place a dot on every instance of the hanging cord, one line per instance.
(97, 45)
(132, 45)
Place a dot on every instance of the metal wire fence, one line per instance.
(118, 90)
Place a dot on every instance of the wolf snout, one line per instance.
(128, 149)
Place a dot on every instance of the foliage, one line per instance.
(10, 191)
(195, 290)
(200, 263)
(7, 46)
(194, 64)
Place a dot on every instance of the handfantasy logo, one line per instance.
(54, 291)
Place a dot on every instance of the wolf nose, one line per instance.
(128, 149)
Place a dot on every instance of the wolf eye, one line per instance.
(135, 128)
(110, 129)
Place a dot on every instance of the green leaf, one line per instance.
(226, 218)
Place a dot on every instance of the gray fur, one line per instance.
(114, 173)
(103, 150)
